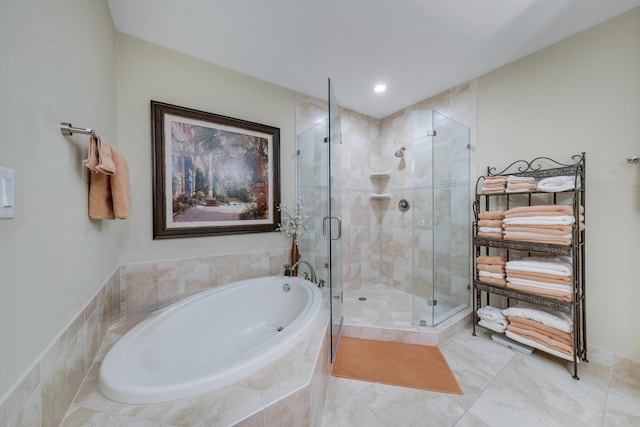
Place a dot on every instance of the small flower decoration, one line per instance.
(293, 224)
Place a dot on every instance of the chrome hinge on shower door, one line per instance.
(432, 302)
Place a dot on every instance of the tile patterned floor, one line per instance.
(502, 387)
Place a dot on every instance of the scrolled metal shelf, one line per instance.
(540, 166)
(564, 306)
(516, 245)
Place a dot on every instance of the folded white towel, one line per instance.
(553, 265)
(537, 345)
(494, 326)
(483, 273)
(566, 289)
(490, 312)
(555, 319)
(542, 220)
(559, 183)
(490, 229)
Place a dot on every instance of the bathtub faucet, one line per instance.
(311, 270)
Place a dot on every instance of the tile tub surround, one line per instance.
(290, 391)
(44, 395)
(132, 291)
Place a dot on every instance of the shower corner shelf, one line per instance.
(381, 196)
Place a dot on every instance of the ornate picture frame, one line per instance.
(212, 174)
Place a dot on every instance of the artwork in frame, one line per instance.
(212, 174)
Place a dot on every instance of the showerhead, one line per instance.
(400, 152)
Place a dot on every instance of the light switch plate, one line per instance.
(7, 192)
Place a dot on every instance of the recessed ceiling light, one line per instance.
(379, 88)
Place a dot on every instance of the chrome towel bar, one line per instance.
(68, 129)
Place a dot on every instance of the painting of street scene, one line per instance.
(218, 175)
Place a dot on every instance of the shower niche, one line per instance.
(440, 207)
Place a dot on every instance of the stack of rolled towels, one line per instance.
(517, 184)
(551, 224)
(492, 318)
(548, 276)
(547, 330)
(490, 224)
(491, 269)
(494, 184)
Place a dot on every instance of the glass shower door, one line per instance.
(441, 218)
(318, 174)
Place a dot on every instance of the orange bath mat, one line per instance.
(393, 363)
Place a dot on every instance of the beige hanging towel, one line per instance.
(109, 193)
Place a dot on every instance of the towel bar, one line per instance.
(68, 129)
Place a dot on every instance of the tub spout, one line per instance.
(311, 270)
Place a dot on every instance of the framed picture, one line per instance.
(212, 174)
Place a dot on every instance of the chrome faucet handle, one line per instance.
(321, 283)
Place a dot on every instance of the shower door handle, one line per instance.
(325, 227)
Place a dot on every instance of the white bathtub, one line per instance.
(209, 340)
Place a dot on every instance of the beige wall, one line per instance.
(58, 64)
(582, 94)
(149, 72)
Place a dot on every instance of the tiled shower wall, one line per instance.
(46, 392)
(377, 237)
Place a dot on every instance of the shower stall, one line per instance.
(441, 225)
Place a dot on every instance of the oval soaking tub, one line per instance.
(209, 340)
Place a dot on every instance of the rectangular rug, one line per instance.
(394, 363)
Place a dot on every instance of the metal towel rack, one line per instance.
(68, 129)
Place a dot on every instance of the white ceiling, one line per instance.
(419, 48)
